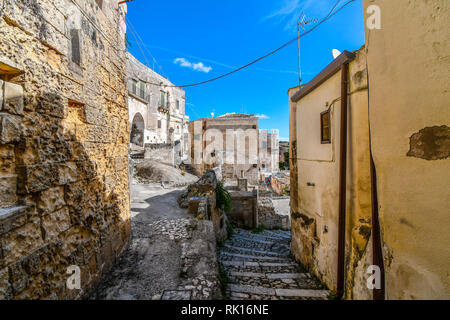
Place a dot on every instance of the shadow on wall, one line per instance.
(72, 200)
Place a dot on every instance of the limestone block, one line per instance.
(8, 189)
(1, 94)
(53, 104)
(5, 285)
(20, 242)
(51, 200)
(56, 223)
(13, 98)
(37, 178)
(12, 218)
(7, 160)
(68, 173)
(10, 129)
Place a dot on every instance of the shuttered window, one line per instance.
(325, 127)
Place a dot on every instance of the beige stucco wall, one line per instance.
(409, 68)
(315, 219)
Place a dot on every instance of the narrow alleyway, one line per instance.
(169, 251)
(259, 267)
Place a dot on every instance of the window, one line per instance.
(159, 124)
(163, 99)
(178, 105)
(99, 3)
(325, 134)
(75, 41)
(134, 84)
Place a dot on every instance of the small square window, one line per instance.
(325, 129)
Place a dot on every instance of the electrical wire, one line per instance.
(143, 44)
(331, 14)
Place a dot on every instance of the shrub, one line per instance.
(223, 198)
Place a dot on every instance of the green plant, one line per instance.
(223, 198)
(258, 229)
(282, 166)
(223, 279)
(230, 229)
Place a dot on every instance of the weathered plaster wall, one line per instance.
(409, 67)
(315, 179)
(63, 147)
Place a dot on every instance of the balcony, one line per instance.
(138, 93)
(163, 107)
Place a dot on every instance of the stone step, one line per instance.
(272, 276)
(252, 239)
(257, 264)
(258, 252)
(261, 237)
(284, 235)
(247, 257)
(291, 293)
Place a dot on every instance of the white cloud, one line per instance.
(200, 67)
(290, 11)
(262, 116)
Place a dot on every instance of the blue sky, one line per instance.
(193, 41)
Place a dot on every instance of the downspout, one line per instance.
(342, 182)
(377, 251)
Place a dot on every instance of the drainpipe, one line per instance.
(342, 182)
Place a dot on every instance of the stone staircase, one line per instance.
(259, 267)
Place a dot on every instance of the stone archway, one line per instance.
(137, 130)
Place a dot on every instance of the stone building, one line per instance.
(269, 156)
(156, 108)
(230, 142)
(64, 201)
(379, 197)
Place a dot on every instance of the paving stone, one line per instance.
(302, 293)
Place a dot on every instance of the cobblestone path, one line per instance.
(259, 267)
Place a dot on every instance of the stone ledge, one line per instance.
(12, 217)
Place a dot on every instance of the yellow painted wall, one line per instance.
(409, 72)
(315, 220)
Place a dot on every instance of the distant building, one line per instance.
(269, 156)
(156, 108)
(236, 153)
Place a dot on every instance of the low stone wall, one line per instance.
(280, 183)
(164, 152)
(200, 199)
(269, 218)
(244, 209)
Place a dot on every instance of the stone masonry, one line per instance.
(63, 145)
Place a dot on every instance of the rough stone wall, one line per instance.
(280, 183)
(244, 209)
(269, 218)
(409, 118)
(64, 145)
(167, 153)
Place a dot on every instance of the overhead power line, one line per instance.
(331, 14)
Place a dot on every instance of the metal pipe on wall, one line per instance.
(342, 181)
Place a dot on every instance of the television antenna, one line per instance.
(301, 23)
